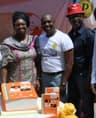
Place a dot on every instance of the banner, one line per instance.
(88, 6)
(35, 9)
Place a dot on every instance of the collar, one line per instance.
(17, 45)
(79, 31)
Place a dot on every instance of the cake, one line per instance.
(18, 96)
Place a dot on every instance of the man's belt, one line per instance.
(53, 73)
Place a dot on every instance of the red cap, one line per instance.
(74, 9)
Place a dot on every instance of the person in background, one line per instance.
(79, 81)
(93, 74)
(18, 52)
(56, 51)
(94, 14)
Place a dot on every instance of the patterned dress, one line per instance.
(19, 59)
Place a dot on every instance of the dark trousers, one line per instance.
(79, 90)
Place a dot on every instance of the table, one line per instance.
(25, 114)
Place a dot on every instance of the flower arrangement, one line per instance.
(68, 111)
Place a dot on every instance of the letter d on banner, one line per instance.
(87, 7)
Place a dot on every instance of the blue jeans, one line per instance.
(53, 80)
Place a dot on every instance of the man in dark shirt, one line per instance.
(79, 81)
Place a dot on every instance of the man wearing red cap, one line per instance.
(79, 81)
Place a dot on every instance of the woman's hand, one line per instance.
(38, 87)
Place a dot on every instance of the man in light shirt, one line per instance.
(56, 51)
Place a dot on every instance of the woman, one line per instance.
(18, 52)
